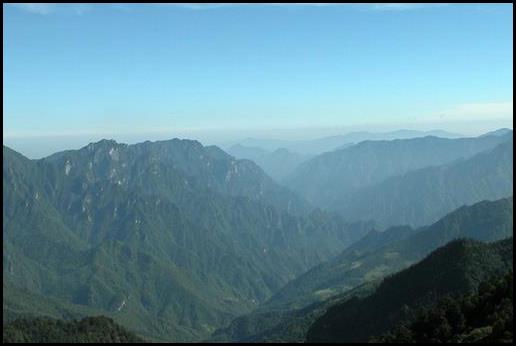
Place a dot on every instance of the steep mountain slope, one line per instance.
(202, 167)
(485, 221)
(327, 179)
(287, 316)
(423, 196)
(171, 239)
(456, 268)
(277, 164)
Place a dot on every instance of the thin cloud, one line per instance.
(400, 6)
(79, 9)
(204, 6)
(36, 8)
(359, 6)
(201, 6)
(51, 8)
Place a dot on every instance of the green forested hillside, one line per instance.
(283, 324)
(92, 329)
(289, 313)
(485, 316)
(457, 268)
(171, 239)
(174, 240)
(367, 260)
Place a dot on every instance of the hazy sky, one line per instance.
(241, 70)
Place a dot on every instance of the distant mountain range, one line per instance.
(412, 181)
(170, 238)
(422, 196)
(280, 158)
(321, 145)
(499, 132)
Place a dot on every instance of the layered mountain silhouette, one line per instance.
(397, 248)
(422, 196)
(177, 241)
(410, 181)
(320, 145)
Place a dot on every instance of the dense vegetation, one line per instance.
(288, 315)
(484, 316)
(92, 329)
(283, 325)
(380, 254)
(171, 239)
(457, 268)
(174, 240)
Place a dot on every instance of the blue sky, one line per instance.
(235, 70)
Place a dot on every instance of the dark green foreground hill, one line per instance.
(455, 269)
(485, 316)
(90, 329)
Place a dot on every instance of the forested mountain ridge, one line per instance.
(199, 166)
(362, 266)
(172, 239)
(397, 248)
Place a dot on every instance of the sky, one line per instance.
(219, 72)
